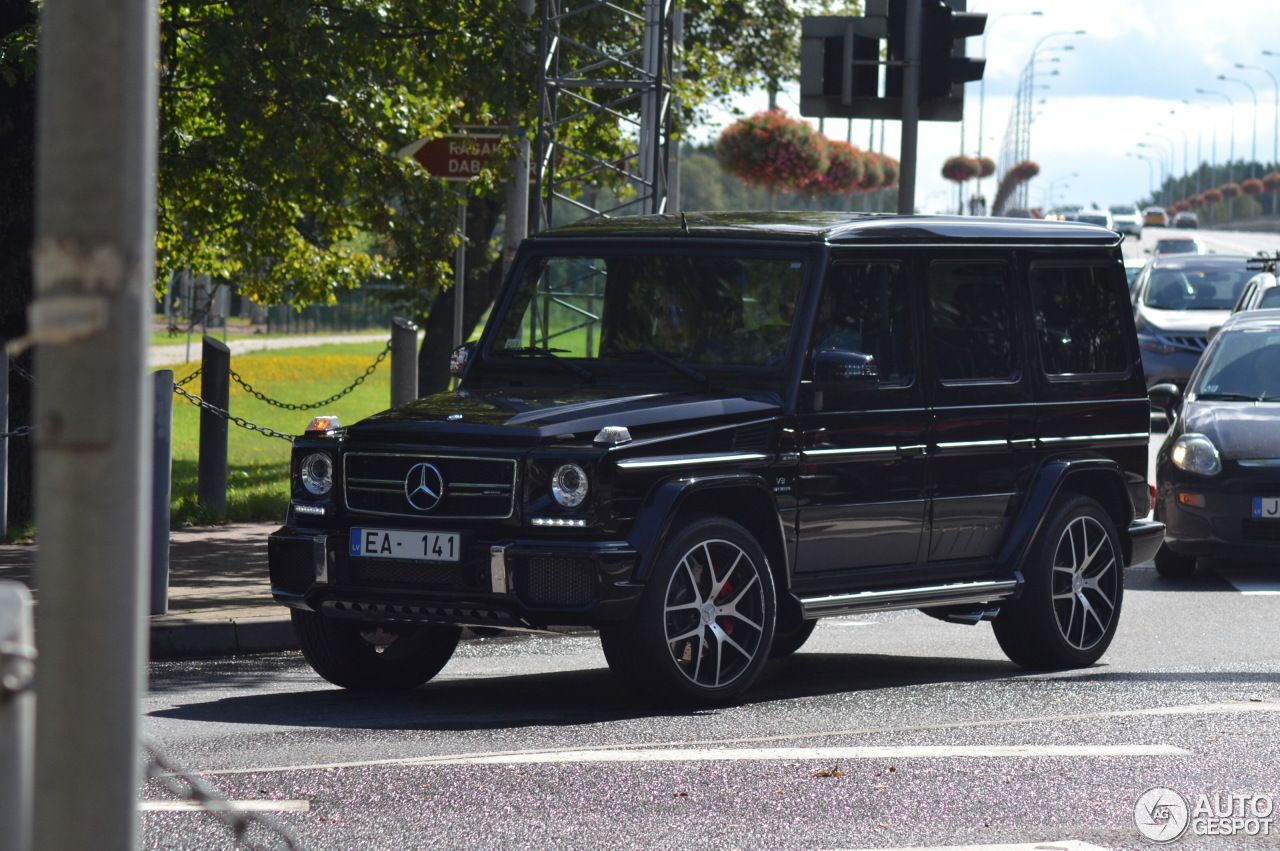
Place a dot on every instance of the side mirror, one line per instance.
(458, 360)
(1213, 332)
(1167, 398)
(836, 365)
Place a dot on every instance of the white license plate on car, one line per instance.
(405, 544)
(1266, 507)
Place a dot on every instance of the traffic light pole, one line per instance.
(910, 111)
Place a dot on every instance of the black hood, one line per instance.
(1240, 430)
(532, 415)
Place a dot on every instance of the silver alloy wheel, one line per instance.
(1086, 576)
(714, 613)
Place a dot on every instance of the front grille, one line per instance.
(1187, 342)
(1260, 530)
(472, 487)
(561, 582)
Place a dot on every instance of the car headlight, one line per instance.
(569, 485)
(1153, 343)
(1196, 453)
(316, 472)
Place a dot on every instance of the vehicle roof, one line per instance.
(1265, 319)
(1177, 261)
(835, 229)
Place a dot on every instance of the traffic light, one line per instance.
(942, 57)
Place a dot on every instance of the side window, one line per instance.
(971, 325)
(1078, 325)
(865, 308)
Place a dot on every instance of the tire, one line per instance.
(702, 632)
(1070, 605)
(1170, 565)
(337, 650)
(788, 640)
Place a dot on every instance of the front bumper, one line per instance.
(514, 584)
(1224, 525)
(1145, 536)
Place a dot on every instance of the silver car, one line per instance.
(1126, 219)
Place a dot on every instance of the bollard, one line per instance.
(215, 388)
(404, 361)
(161, 485)
(17, 714)
(4, 447)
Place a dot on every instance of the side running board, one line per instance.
(908, 598)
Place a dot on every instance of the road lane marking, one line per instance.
(1070, 845)
(1253, 583)
(819, 754)
(1195, 709)
(252, 806)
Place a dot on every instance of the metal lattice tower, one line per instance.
(585, 89)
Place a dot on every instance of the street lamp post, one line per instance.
(1025, 153)
(1049, 192)
(982, 85)
(1253, 164)
(1150, 172)
(1275, 84)
(1213, 150)
(1186, 143)
(1164, 171)
(1231, 158)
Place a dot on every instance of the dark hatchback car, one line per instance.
(1218, 472)
(701, 433)
(1177, 299)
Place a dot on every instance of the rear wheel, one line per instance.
(704, 626)
(1070, 605)
(1170, 565)
(373, 657)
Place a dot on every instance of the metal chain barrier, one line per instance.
(243, 423)
(20, 431)
(188, 786)
(183, 382)
(13, 366)
(288, 406)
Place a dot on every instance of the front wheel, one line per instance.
(1070, 605)
(705, 624)
(373, 657)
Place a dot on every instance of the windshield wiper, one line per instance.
(1229, 397)
(682, 368)
(550, 354)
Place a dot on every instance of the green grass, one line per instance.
(257, 464)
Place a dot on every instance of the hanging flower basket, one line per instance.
(773, 149)
(1013, 178)
(844, 172)
(1252, 187)
(873, 172)
(960, 168)
(1196, 201)
(1182, 206)
(891, 171)
(1272, 182)
(1213, 196)
(986, 166)
(1230, 190)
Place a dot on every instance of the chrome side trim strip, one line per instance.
(1095, 438)
(499, 579)
(320, 557)
(687, 460)
(1260, 462)
(908, 598)
(974, 444)
(851, 452)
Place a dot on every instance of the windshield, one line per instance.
(1196, 289)
(1242, 364)
(705, 309)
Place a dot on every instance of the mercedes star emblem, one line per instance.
(423, 486)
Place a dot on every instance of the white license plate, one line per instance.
(1266, 507)
(406, 544)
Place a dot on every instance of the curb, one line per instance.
(222, 638)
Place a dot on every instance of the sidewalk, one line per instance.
(219, 594)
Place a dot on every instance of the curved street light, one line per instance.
(1024, 150)
(982, 85)
(1150, 172)
(1213, 150)
(1253, 164)
(1231, 159)
(1275, 84)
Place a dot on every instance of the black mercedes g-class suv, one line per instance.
(700, 433)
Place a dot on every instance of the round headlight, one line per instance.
(1196, 453)
(569, 485)
(316, 471)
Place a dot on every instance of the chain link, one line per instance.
(289, 406)
(190, 378)
(188, 786)
(20, 431)
(243, 423)
(13, 365)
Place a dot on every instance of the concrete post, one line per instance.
(4, 447)
(404, 361)
(17, 709)
(161, 487)
(215, 388)
(94, 269)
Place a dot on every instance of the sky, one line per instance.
(1119, 92)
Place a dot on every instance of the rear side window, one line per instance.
(971, 325)
(1078, 320)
